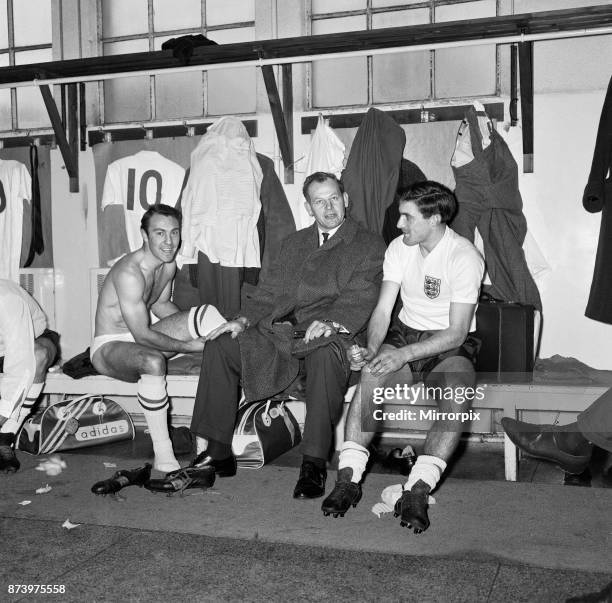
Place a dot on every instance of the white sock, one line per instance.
(201, 444)
(427, 468)
(19, 415)
(203, 319)
(355, 456)
(154, 401)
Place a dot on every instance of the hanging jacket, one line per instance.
(488, 198)
(598, 198)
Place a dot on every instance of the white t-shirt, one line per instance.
(21, 321)
(451, 272)
(139, 181)
(15, 186)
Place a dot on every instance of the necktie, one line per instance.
(325, 237)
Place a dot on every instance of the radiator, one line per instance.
(40, 284)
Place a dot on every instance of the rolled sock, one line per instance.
(154, 401)
(355, 456)
(201, 444)
(427, 468)
(19, 415)
(203, 319)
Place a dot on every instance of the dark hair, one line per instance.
(431, 198)
(159, 209)
(320, 177)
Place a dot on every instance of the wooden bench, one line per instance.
(511, 400)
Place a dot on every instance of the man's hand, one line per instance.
(318, 329)
(387, 362)
(234, 327)
(194, 345)
(366, 355)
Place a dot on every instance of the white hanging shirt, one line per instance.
(451, 272)
(21, 321)
(15, 186)
(326, 154)
(139, 181)
(221, 200)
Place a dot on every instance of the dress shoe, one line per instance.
(123, 478)
(8, 458)
(311, 483)
(411, 508)
(223, 467)
(344, 494)
(540, 441)
(183, 479)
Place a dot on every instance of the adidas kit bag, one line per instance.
(75, 423)
(264, 431)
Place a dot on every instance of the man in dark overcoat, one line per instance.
(301, 318)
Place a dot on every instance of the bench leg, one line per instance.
(510, 459)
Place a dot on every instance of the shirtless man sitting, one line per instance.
(127, 345)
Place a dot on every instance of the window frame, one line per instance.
(369, 11)
(151, 36)
(11, 50)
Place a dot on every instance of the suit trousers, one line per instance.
(327, 372)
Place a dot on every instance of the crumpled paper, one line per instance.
(44, 489)
(52, 466)
(389, 496)
(23, 503)
(69, 525)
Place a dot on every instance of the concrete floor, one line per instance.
(246, 539)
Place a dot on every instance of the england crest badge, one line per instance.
(431, 286)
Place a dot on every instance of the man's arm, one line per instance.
(129, 285)
(163, 306)
(460, 318)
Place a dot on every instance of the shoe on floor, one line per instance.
(540, 441)
(123, 478)
(183, 479)
(311, 483)
(344, 495)
(8, 459)
(411, 508)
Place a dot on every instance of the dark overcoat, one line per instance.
(598, 198)
(338, 281)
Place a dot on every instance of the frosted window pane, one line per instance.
(529, 6)
(33, 56)
(121, 17)
(325, 6)
(32, 21)
(465, 71)
(167, 17)
(219, 12)
(177, 94)
(381, 3)
(339, 81)
(232, 90)
(127, 99)
(404, 76)
(31, 112)
(3, 25)
(578, 64)
(5, 100)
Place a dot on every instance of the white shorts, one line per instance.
(101, 340)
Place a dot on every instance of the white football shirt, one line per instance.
(451, 272)
(139, 181)
(15, 186)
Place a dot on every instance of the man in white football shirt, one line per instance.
(438, 275)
